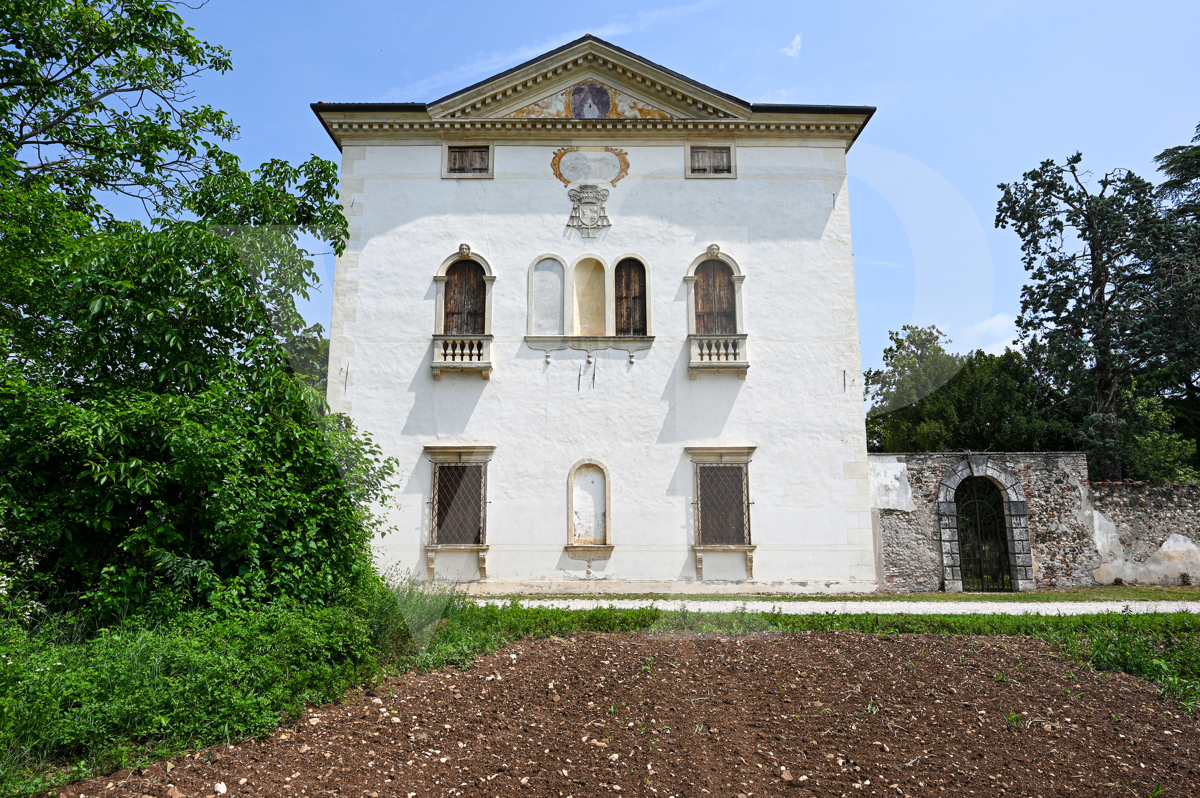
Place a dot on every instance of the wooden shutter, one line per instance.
(631, 298)
(465, 298)
(722, 162)
(467, 160)
(712, 161)
(716, 308)
(460, 501)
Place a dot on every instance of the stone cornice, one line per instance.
(358, 127)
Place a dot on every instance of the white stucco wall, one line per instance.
(785, 220)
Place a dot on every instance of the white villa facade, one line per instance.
(604, 316)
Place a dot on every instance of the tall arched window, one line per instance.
(465, 299)
(716, 328)
(631, 297)
(716, 305)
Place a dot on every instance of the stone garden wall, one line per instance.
(1078, 534)
(1147, 533)
(908, 523)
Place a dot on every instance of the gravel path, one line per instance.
(873, 607)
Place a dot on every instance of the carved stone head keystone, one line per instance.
(464, 250)
(714, 250)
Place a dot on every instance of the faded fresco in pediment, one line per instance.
(589, 100)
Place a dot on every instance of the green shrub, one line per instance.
(133, 690)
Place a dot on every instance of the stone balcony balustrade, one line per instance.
(717, 353)
(462, 353)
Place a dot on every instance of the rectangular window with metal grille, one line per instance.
(712, 161)
(467, 160)
(723, 504)
(460, 504)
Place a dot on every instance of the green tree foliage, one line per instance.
(1156, 452)
(1106, 281)
(160, 444)
(914, 366)
(989, 403)
(94, 96)
(156, 447)
(1181, 165)
(1178, 381)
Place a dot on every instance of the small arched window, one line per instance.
(466, 297)
(631, 297)
(716, 306)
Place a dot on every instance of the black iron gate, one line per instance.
(982, 536)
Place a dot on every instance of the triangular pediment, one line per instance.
(589, 79)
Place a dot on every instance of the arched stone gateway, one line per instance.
(1016, 522)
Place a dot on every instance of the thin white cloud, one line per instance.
(994, 334)
(491, 63)
(793, 49)
(775, 96)
(884, 264)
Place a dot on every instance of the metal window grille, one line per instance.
(982, 536)
(459, 504)
(467, 160)
(723, 504)
(712, 161)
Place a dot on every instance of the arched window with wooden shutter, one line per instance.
(716, 304)
(631, 297)
(466, 298)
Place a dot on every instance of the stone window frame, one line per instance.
(592, 552)
(451, 454)
(591, 343)
(440, 278)
(488, 175)
(1016, 521)
(733, 455)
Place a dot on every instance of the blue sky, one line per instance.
(969, 95)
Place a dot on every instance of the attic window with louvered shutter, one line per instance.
(710, 161)
(468, 161)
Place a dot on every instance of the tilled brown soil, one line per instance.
(826, 714)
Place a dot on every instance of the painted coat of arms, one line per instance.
(588, 214)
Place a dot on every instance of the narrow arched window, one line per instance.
(631, 298)
(548, 297)
(465, 299)
(589, 297)
(716, 306)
